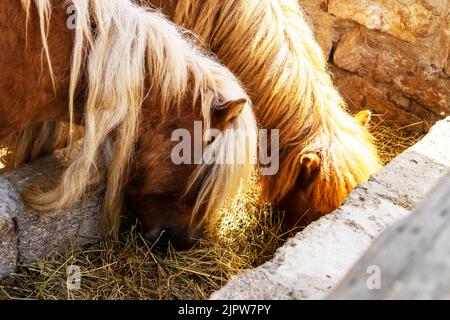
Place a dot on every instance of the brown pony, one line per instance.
(130, 78)
(324, 152)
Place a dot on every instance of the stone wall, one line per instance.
(389, 56)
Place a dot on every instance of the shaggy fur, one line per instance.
(268, 44)
(128, 44)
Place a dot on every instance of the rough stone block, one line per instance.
(8, 248)
(392, 57)
(407, 20)
(26, 236)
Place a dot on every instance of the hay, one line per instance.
(131, 269)
(392, 139)
(249, 234)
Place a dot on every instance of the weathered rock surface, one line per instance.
(8, 244)
(25, 235)
(405, 19)
(390, 56)
(312, 263)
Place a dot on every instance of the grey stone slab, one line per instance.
(27, 235)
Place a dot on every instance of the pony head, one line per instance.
(317, 191)
(185, 167)
(175, 188)
(269, 45)
(132, 81)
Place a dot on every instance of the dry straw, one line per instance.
(131, 269)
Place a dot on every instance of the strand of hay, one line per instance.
(3, 153)
(249, 234)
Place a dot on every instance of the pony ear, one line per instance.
(309, 169)
(363, 117)
(225, 113)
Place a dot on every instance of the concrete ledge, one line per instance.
(26, 236)
(311, 264)
(410, 260)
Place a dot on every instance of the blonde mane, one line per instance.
(129, 44)
(270, 47)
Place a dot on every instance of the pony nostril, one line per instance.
(160, 237)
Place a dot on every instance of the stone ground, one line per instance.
(311, 264)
